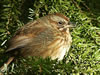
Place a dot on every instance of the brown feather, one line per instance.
(42, 37)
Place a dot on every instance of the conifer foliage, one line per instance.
(84, 55)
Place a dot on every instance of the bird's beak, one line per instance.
(70, 25)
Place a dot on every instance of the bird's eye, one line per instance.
(60, 22)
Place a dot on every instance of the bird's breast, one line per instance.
(58, 48)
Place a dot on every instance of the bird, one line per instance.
(48, 36)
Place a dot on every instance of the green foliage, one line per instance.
(84, 55)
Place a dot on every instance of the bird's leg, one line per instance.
(7, 63)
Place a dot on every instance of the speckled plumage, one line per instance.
(47, 36)
(42, 37)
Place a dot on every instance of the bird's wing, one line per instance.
(25, 35)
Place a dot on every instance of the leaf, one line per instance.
(2, 30)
